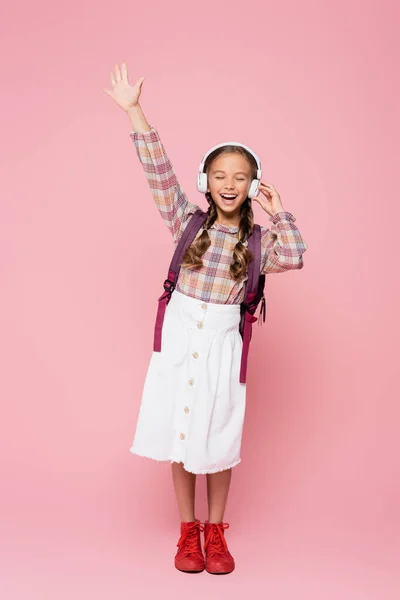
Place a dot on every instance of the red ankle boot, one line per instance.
(190, 557)
(219, 560)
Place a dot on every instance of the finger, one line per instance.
(124, 71)
(112, 78)
(117, 72)
(265, 190)
(107, 91)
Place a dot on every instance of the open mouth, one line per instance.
(228, 198)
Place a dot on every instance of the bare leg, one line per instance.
(185, 486)
(217, 494)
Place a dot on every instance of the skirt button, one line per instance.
(199, 324)
(182, 436)
(195, 355)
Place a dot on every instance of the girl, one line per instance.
(193, 405)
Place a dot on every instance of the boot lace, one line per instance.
(216, 539)
(188, 543)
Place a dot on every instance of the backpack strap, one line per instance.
(254, 292)
(191, 229)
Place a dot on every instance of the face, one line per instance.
(229, 174)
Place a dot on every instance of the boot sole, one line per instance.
(189, 571)
(219, 572)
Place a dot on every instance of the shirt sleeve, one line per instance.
(168, 195)
(282, 246)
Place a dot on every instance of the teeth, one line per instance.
(230, 197)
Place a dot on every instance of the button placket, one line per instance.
(200, 323)
(187, 406)
(186, 409)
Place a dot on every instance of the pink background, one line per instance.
(311, 87)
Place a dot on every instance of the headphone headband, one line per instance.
(201, 168)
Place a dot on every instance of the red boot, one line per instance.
(190, 557)
(219, 560)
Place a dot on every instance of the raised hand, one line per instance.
(124, 94)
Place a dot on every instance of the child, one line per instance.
(193, 405)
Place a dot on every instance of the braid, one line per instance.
(241, 254)
(193, 255)
(212, 212)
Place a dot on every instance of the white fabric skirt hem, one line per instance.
(202, 472)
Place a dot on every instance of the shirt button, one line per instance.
(195, 355)
(182, 436)
(204, 306)
(199, 324)
(186, 409)
(191, 381)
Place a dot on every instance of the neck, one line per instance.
(231, 220)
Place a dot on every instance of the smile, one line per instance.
(228, 198)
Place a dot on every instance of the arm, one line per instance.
(282, 246)
(168, 195)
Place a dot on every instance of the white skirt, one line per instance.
(193, 405)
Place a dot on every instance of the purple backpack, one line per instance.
(254, 286)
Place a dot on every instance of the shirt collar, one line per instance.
(225, 228)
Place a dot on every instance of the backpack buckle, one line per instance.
(250, 308)
(169, 285)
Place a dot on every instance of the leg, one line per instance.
(189, 556)
(185, 486)
(217, 494)
(218, 558)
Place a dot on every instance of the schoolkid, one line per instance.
(193, 404)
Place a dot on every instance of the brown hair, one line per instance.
(241, 254)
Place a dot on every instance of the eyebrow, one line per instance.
(237, 172)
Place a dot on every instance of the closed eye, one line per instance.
(241, 179)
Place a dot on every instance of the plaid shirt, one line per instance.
(281, 246)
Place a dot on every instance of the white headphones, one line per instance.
(202, 177)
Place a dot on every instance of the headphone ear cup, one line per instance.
(202, 182)
(253, 189)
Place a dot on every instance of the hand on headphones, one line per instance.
(272, 202)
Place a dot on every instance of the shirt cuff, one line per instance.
(138, 134)
(283, 215)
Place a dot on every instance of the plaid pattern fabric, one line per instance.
(282, 246)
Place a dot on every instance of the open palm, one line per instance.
(124, 94)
